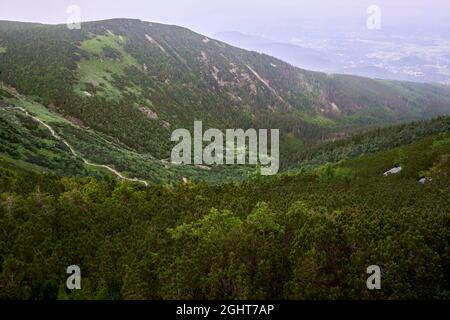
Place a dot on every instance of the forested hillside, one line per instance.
(294, 236)
(85, 176)
(30, 144)
(137, 81)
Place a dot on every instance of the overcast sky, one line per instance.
(253, 16)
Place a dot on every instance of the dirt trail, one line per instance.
(72, 150)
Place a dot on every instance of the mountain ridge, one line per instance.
(136, 81)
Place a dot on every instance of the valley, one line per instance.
(86, 177)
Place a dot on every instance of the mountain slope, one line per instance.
(253, 240)
(102, 102)
(136, 82)
(35, 138)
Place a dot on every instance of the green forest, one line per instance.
(86, 178)
(308, 234)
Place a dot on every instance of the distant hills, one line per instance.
(393, 54)
(294, 54)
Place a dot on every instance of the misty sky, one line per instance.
(251, 16)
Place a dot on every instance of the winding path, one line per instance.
(72, 150)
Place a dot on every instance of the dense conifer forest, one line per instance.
(86, 179)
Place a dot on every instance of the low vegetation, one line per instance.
(302, 235)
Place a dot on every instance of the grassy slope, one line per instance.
(26, 141)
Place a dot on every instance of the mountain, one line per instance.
(85, 123)
(116, 89)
